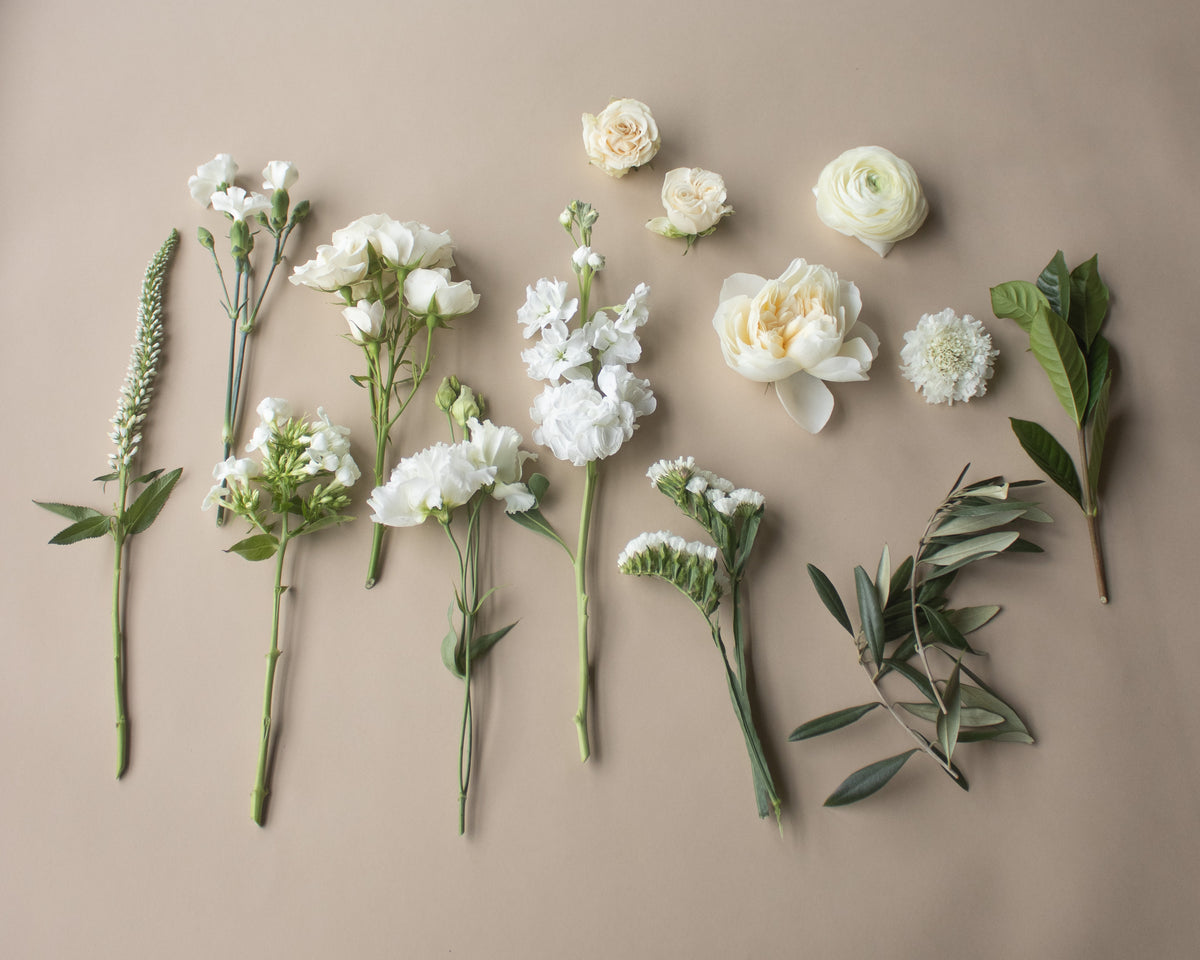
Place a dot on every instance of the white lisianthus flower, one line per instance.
(365, 319)
(622, 137)
(430, 291)
(211, 177)
(546, 305)
(871, 194)
(237, 203)
(280, 175)
(795, 332)
(439, 478)
(500, 447)
(948, 357)
(695, 203)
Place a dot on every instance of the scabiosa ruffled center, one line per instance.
(948, 357)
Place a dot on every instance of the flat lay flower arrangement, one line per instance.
(800, 331)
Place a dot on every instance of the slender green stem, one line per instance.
(117, 619)
(234, 311)
(260, 783)
(581, 602)
(1091, 507)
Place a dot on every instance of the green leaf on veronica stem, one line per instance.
(948, 722)
(481, 645)
(147, 477)
(862, 783)
(68, 510)
(105, 477)
(1089, 300)
(532, 519)
(1049, 455)
(967, 551)
(1019, 300)
(869, 613)
(883, 577)
(261, 546)
(829, 596)
(87, 529)
(831, 721)
(969, 619)
(1055, 282)
(1058, 352)
(968, 716)
(1098, 369)
(145, 509)
(1097, 430)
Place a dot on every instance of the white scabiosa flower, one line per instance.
(948, 357)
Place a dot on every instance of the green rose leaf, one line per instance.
(862, 783)
(1049, 455)
(831, 721)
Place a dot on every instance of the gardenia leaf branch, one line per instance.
(591, 403)
(443, 481)
(128, 518)
(1063, 313)
(906, 626)
(731, 516)
(305, 471)
(213, 186)
(394, 282)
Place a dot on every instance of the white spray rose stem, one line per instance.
(260, 781)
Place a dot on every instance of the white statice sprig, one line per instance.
(707, 574)
(948, 358)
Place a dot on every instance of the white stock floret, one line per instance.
(948, 357)
(546, 305)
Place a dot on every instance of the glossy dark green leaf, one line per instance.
(87, 529)
(1056, 349)
(1097, 431)
(1049, 455)
(830, 597)
(481, 645)
(1019, 300)
(862, 783)
(1021, 545)
(948, 722)
(1098, 363)
(68, 510)
(261, 546)
(145, 509)
(1089, 299)
(968, 716)
(869, 613)
(831, 721)
(1055, 282)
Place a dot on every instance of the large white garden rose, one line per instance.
(621, 137)
(796, 331)
(871, 194)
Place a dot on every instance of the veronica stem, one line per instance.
(119, 664)
(1091, 507)
(581, 603)
(260, 782)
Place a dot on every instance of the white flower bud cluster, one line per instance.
(134, 401)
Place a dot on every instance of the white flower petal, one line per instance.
(806, 399)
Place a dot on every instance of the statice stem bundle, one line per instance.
(128, 518)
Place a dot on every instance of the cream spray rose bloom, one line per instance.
(795, 332)
(871, 194)
(622, 137)
(695, 203)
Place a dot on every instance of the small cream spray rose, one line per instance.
(298, 488)
(212, 186)
(622, 137)
(695, 203)
(128, 518)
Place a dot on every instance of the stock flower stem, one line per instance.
(260, 782)
(585, 521)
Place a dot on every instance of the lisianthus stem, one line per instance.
(581, 598)
(260, 782)
(1091, 507)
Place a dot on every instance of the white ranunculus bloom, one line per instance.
(431, 291)
(871, 194)
(365, 319)
(280, 175)
(948, 357)
(497, 446)
(694, 200)
(210, 176)
(546, 305)
(796, 331)
(622, 137)
(239, 204)
(334, 266)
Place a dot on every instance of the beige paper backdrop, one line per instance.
(1034, 126)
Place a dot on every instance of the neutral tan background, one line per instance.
(1033, 126)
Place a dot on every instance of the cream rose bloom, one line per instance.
(795, 332)
(622, 137)
(695, 203)
(871, 194)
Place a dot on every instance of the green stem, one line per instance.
(581, 602)
(260, 782)
(118, 633)
(1091, 507)
(227, 429)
